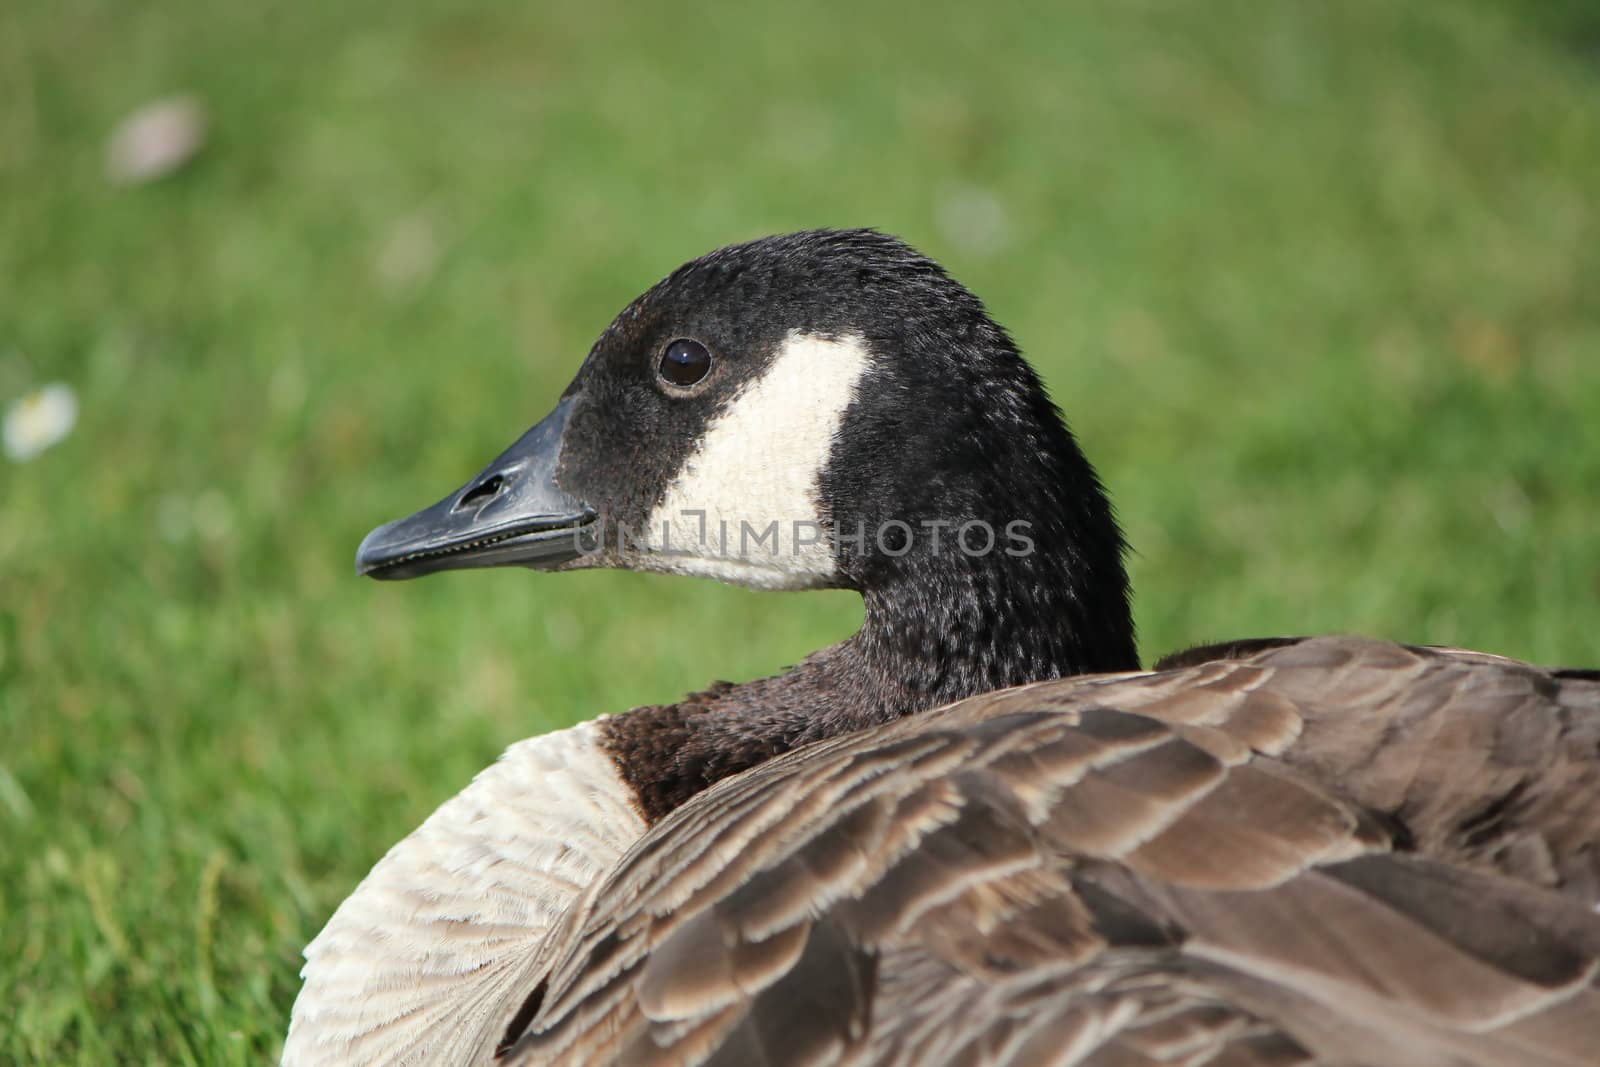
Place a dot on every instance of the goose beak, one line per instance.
(511, 515)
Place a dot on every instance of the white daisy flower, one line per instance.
(38, 420)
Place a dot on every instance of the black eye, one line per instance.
(684, 363)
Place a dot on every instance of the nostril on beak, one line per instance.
(481, 493)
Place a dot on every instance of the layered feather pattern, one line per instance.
(1337, 851)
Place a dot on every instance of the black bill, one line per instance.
(511, 515)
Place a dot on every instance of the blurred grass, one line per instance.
(1317, 284)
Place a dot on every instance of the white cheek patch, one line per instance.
(744, 508)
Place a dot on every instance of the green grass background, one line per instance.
(1318, 285)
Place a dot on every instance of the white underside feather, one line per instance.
(418, 963)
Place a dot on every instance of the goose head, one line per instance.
(826, 409)
(819, 410)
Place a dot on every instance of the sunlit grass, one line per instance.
(1318, 292)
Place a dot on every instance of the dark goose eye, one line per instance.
(684, 363)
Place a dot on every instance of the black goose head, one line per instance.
(818, 409)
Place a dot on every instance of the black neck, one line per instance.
(945, 629)
(950, 626)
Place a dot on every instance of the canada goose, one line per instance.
(1321, 851)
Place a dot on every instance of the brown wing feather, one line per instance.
(1326, 852)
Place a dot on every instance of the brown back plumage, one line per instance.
(1337, 851)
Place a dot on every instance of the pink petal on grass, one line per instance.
(156, 140)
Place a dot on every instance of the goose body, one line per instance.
(973, 833)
